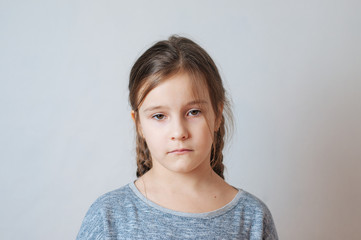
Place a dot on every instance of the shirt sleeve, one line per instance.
(269, 229)
(92, 227)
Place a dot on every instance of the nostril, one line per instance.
(184, 137)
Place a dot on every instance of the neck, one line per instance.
(196, 191)
(200, 178)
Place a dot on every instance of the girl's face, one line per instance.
(177, 126)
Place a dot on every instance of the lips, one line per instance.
(181, 151)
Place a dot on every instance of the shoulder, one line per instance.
(117, 195)
(110, 199)
(257, 214)
(252, 204)
(103, 208)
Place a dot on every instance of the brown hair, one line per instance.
(161, 61)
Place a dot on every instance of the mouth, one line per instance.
(181, 151)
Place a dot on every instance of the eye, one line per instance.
(194, 112)
(158, 116)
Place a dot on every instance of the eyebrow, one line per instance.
(195, 102)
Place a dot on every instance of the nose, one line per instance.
(179, 130)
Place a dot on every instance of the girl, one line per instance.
(178, 104)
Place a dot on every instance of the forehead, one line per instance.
(178, 89)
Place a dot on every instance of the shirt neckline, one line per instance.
(210, 214)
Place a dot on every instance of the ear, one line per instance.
(137, 124)
(132, 113)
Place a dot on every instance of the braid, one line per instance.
(144, 161)
(217, 155)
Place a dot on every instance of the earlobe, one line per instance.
(132, 113)
(139, 130)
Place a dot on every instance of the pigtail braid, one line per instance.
(217, 147)
(144, 161)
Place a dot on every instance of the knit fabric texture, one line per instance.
(126, 214)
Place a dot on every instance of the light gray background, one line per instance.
(291, 67)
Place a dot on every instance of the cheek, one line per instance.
(204, 136)
(153, 137)
(144, 127)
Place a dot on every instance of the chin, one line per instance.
(183, 168)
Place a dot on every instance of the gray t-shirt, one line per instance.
(126, 214)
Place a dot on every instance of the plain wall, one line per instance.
(292, 69)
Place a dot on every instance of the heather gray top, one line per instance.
(126, 214)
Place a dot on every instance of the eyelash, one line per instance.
(160, 117)
(156, 116)
(194, 110)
